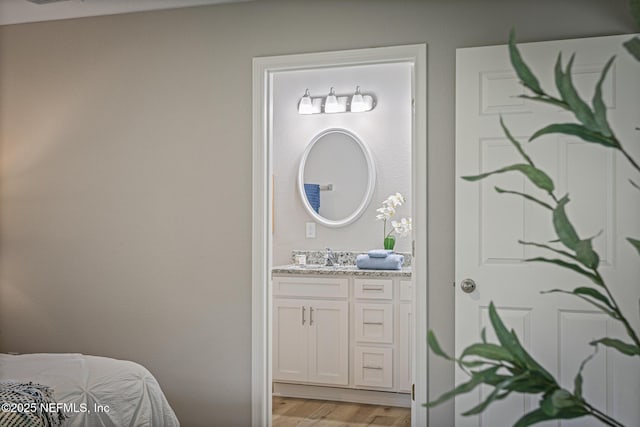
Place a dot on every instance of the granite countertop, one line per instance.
(338, 270)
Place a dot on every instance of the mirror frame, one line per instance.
(371, 182)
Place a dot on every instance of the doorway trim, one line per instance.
(264, 69)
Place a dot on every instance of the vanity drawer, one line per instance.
(373, 289)
(373, 367)
(374, 323)
(330, 287)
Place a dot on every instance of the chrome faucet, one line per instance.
(330, 258)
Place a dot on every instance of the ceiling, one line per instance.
(19, 11)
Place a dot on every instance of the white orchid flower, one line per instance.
(402, 227)
(394, 200)
(386, 212)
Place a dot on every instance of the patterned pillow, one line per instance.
(28, 405)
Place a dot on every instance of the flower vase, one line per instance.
(389, 242)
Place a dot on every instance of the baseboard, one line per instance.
(342, 394)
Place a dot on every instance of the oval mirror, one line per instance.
(336, 177)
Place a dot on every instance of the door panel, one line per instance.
(555, 328)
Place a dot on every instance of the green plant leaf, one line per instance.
(577, 381)
(549, 100)
(559, 76)
(524, 72)
(635, 11)
(579, 131)
(577, 384)
(601, 307)
(593, 293)
(622, 347)
(509, 340)
(487, 351)
(504, 337)
(569, 95)
(526, 196)
(536, 176)
(562, 399)
(599, 109)
(586, 255)
(568, 265)
(483, 335)
(515, 143)
(497, 393)
(477, 378)
(537, 416)
(530, 383)
(472, 363)
(531, 386)
(635, 243)
(434, 345)
(633, 47)
(540, 245)
(564, 229)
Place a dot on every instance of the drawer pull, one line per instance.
(303, 310)
(379, 368)
(373, 323)
(310, 316)
(378, 288)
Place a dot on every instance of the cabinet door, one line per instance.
(290, 330)
(405, 347)
(328, 342)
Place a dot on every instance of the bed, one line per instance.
(94, 391)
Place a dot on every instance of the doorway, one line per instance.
(265, 72)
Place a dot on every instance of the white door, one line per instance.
(290, 331)
(328, 342)
(555, 328)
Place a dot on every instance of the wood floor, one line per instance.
(288, 412)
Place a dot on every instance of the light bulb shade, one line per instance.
(357, 103)
(331, 104)
(360, 103)
(306, 104)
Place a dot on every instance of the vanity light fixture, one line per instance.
(306, 104)
(332, 103)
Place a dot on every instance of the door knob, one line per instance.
(468, 285)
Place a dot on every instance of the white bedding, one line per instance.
(131, 393)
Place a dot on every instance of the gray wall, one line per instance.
(125, 203)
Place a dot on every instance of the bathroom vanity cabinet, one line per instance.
(343, 334)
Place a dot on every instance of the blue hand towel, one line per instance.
(390, 262)
(313, 195)
(380, 253)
